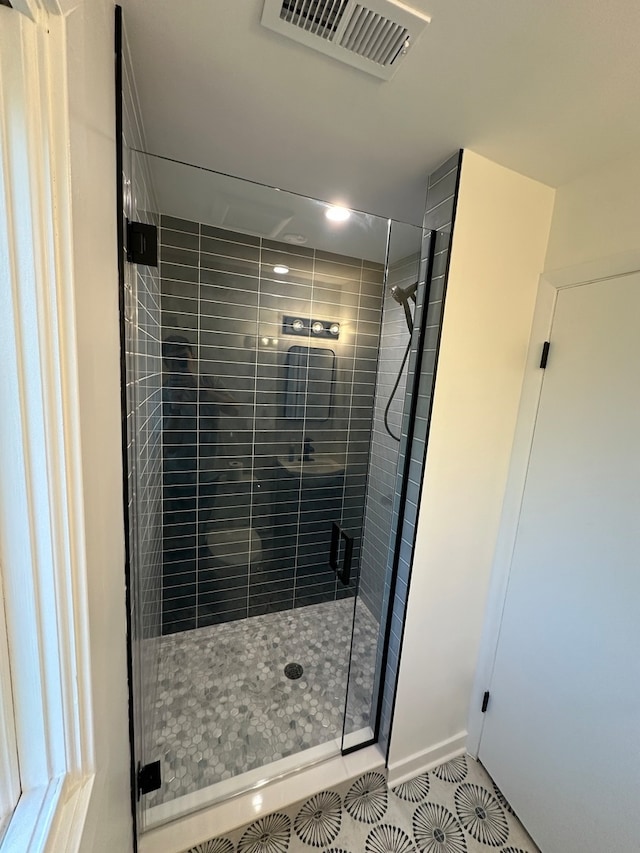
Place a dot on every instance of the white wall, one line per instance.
(499, 244)
(90, 29)
(597, 215)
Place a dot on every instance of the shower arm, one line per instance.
(402, 295)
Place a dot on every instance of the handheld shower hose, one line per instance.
(402, 295)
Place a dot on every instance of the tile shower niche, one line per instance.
(264, 656)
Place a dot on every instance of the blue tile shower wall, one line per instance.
(381, 482)
(243, 535)
(439, 214)
(394, 338)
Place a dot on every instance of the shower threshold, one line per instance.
(189, 831)
(246, 783)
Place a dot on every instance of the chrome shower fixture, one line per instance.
(402, 295)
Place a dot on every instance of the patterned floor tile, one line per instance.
(454, 808)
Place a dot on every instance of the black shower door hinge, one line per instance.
(485, 702)
(142, 244)
(545, 354)
(149, 778)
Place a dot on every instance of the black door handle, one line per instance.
(343, 572)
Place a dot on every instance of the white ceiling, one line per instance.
(550, 88)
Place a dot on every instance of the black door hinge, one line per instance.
(142, 244)
(485, 702)
(149, 778)
(545, 354)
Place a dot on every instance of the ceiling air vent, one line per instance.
(318, 17)
(373, 37)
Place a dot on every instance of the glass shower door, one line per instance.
(268, 320)
(403, 296)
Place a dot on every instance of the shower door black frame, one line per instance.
(120, 235)
(417, 344)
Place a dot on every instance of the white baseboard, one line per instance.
(420, 762)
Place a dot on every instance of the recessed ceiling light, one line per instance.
(337, 213)
(296, 239)
(280, 269)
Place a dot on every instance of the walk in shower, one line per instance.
(265, 390)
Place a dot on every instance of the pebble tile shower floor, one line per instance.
(224, 705)
(455, 808)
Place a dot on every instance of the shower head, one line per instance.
(403, 294)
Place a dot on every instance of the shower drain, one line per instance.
(293, 670)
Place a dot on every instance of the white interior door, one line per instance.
(562, 731)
